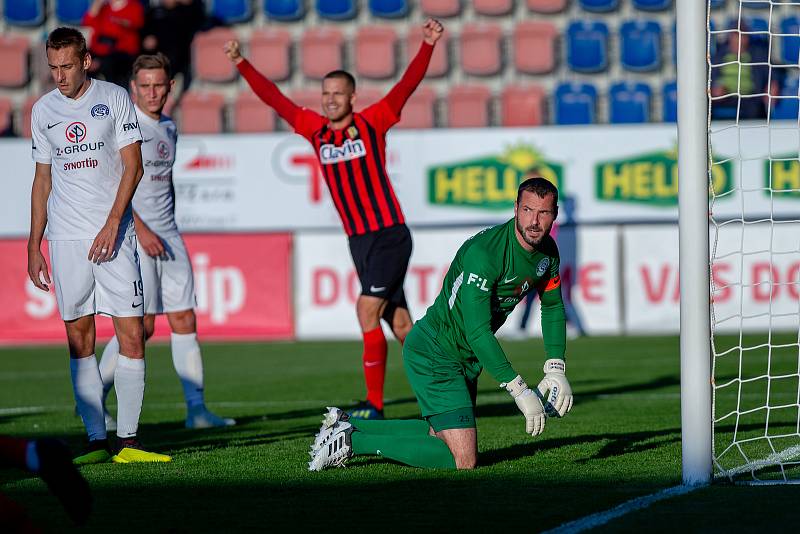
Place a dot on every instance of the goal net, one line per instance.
(753, 54)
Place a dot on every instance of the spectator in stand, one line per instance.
(115, 41)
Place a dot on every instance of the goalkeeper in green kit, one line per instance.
(448, 348)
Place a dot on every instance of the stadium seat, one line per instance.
(587, 46)
(230, 11)
(5, 117)
(790, 46)
(534, 45)
(481, 49)
(366, 96)
(493, 8)
(629, 102)
(522, 105)
(321, 51)
(440, 8)
(337, 9)
(285, 10)
(420, 109)
(640, 45)
(71, 11)
(716, 4)
(269, 52)
(440, 60)
(575, 103)
(14, 59)
(547, 6)
(389, 9)
(652, 5)
(375, 52)
(209, 64)
(24, 126)
(669, 98)
(787, 108)
(201, 113)
(308, 98)
(24, 12)
(599, 6)
(468, 106)
(251, 115)
(761, 4)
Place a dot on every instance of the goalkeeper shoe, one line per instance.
(365, 410)
(97, 452)
(201, 417)
(130, 451)
(335, 450)
(63, 479)
(333, 416)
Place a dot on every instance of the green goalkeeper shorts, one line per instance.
(444, 388)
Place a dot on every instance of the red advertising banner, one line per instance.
(243, 284)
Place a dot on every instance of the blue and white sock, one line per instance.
(188, 362)
(129, 383)
(88, 389)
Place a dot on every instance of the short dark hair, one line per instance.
(152, 61)
(538, 186)
(344, 75)
(63, 37)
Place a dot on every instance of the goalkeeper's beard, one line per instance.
(532, 241)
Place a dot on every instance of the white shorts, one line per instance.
(113, 287)
(168, 280)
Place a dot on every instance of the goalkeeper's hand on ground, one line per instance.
(555, 389)
(528, 403)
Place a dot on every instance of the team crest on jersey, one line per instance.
(100, 111)
(542, 267)
(76, 132)
(163, 150)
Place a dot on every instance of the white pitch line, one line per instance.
(601, 518)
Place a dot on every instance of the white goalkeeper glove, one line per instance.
(559, 399)
(528, 403)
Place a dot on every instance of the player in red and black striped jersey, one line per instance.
(351, 149)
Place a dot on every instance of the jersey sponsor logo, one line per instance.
(76, 132)
(157, 163)
(128, 126)
(478, 281)
(51, 126)
(163, 150)
(349, 150)
(88, 163)
(100, 111)
(83, 147)
(542, 267)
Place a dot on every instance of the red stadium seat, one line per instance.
(201, 113)
(440, 8)
(534, 47)
(480, 49)
(440, 63)
(250, 114)
(493, 7)
(419, 111)
(321, 51)
(5, 116)
(25, 120)
(366, 96)
(269, 53)
(210, 63)
(522, 105)
(14, 59)
(375, 52)
(468, 106)
(547, 6)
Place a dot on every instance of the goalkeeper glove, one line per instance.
(528, 403)
(559, 400)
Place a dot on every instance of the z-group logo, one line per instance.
(76, 132)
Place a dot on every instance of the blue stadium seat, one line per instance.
(788, 108)
(587, 46)
(629, 103)
(337, 9)
(389, 9)
(670, 100)
(24, 12)
(285, 10)
(716, 4)
(640, 45)
(790, 47)
(652, 5)
(230, 11)
(71, 11)
(756, 4)
(575, 103)
(599, 6)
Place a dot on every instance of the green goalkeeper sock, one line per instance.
(400, 427)
(417, 450)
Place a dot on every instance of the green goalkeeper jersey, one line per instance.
(489, 276)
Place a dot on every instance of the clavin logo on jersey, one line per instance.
(348, 151)
(782, 176)
(75, 132)
(651, 178)
(490, 182)
(100, 111)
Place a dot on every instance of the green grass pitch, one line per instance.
(621, 441)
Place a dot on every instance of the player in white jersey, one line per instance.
(86, 145)
(165, 266)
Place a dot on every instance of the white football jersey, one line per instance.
(154, 200)
(80, 139)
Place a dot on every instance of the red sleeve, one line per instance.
(412, 77)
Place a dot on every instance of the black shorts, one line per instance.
(381, 261)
